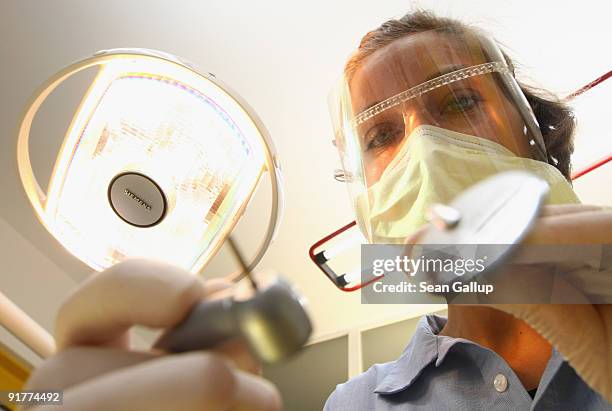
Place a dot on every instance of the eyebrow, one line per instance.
(444, 71)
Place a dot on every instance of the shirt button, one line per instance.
(500, 383)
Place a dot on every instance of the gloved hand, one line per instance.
(97, 370)
(581, 333)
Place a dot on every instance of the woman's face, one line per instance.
(478, 105)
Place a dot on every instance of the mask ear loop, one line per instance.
(570, 97)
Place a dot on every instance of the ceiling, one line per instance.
(282, 57)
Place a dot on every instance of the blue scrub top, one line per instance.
(444, 373)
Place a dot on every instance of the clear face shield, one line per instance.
(423, 118)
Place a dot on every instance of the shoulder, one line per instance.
(358, 393)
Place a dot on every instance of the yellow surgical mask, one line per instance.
(433, 166)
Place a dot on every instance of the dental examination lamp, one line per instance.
(160, 161)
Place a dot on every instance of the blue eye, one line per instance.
(460, 103)
(382, 135)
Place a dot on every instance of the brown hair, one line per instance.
(556, 119)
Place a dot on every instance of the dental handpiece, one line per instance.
(273, 322)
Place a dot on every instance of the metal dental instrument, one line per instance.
(243, 266)
(272, 322)
(494, 214)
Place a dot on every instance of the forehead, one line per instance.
(412, 60)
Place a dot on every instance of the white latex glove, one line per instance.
(97, 370)
(581, 333)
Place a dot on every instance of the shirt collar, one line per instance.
(426, 346)
(420, 352)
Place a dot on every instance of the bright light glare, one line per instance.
(154, 117)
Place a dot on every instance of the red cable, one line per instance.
(576, 93)
(589, 86)
(591, 167)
